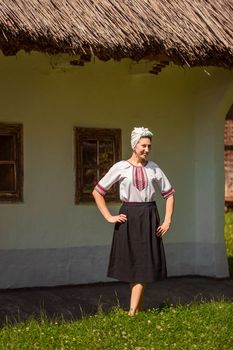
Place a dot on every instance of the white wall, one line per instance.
(209, 172)
(50, 102)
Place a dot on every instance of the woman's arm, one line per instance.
(101, 204)
(168, 216)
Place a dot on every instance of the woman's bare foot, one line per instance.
(132, 312)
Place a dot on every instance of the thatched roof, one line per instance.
(194, 32)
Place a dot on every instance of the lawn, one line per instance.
(205, 325)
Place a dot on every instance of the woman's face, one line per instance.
(143, 148)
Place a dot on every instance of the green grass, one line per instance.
(203, 325)
(228, 233)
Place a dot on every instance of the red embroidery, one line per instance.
(166, 194)
(136, 178)
(100, 189)
(143, 179)
(139, 178)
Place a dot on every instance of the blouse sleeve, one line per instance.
(163, 183)
(111, 177)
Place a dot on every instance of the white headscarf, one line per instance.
(137, 133)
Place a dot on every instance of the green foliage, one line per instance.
(203, 326)
(228, 233)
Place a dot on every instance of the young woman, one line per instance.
(137, 252)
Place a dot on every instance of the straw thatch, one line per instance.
(193, 32)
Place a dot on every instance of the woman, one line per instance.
(137, 253)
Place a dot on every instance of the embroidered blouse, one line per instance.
(137, 183)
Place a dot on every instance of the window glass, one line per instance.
(7, 147)
(7, 177)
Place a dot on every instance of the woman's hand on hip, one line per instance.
(117, 218)
(162, 229)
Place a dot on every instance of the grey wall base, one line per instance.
(197, 258)
(51, 267)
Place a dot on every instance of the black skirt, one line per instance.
(137, 253)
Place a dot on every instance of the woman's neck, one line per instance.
(135, 160)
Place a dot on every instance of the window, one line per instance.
(11, 163)
(96, 151)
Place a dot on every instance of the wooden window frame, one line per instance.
(15, 130)
(81, 134)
